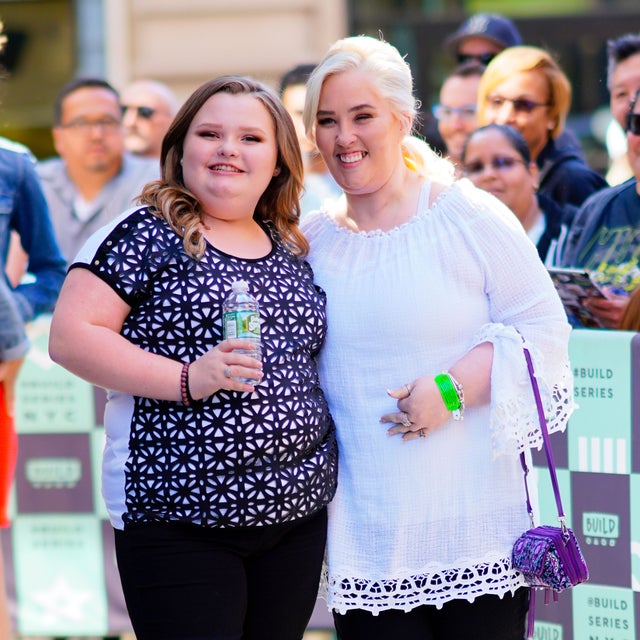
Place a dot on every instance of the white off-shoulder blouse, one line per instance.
(433, 519)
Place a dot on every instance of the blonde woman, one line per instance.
(525, 87)
(432, 286)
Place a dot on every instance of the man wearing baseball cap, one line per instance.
(481, 37)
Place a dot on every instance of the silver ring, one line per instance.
(408, 389)
(422, 433)
(227, 372)
(405, 419)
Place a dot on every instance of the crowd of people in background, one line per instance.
(320, 198)
(577, 218)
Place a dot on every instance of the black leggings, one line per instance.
(195, 583)
(486, 618)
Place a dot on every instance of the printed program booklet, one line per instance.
(573, 286)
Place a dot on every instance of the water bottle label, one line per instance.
(241, 324)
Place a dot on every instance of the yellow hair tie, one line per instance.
(410, 163)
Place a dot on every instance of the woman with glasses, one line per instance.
(603, 237)
(524, 87)
(496, 158)
(456, 112)
(431, 286)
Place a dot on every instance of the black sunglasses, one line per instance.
(146, 113)
(482, 58)
(633, 124)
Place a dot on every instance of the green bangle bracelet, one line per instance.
(448, 391)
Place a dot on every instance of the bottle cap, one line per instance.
(240, 286)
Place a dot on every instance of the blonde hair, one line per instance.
(514, 60)
(170, 199)
(391, 76)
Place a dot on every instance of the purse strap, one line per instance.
(547, 446)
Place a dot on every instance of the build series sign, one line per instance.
(59, 556)
(598, 462)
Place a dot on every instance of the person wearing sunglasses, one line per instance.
(481, 37)
(148, 107)
(623, 80)
(456, 112)
(603, 237)
(525, 87)
(496, 158)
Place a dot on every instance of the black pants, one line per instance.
(487, 618)
(193, 583)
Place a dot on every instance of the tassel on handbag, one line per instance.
(548, 557)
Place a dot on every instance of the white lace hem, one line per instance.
(496, 577)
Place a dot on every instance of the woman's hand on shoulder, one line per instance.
(217, 368)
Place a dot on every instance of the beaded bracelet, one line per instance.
(187, 399)
(458, 414)
(452, 394)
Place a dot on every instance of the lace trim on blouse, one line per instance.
(514, 422)
(421, 210)
(494, 576)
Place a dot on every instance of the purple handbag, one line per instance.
(548, 557)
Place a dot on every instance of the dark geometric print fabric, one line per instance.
(233, 459)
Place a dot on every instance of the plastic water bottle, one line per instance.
(241, 319)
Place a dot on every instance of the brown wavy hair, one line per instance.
(279, 205)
